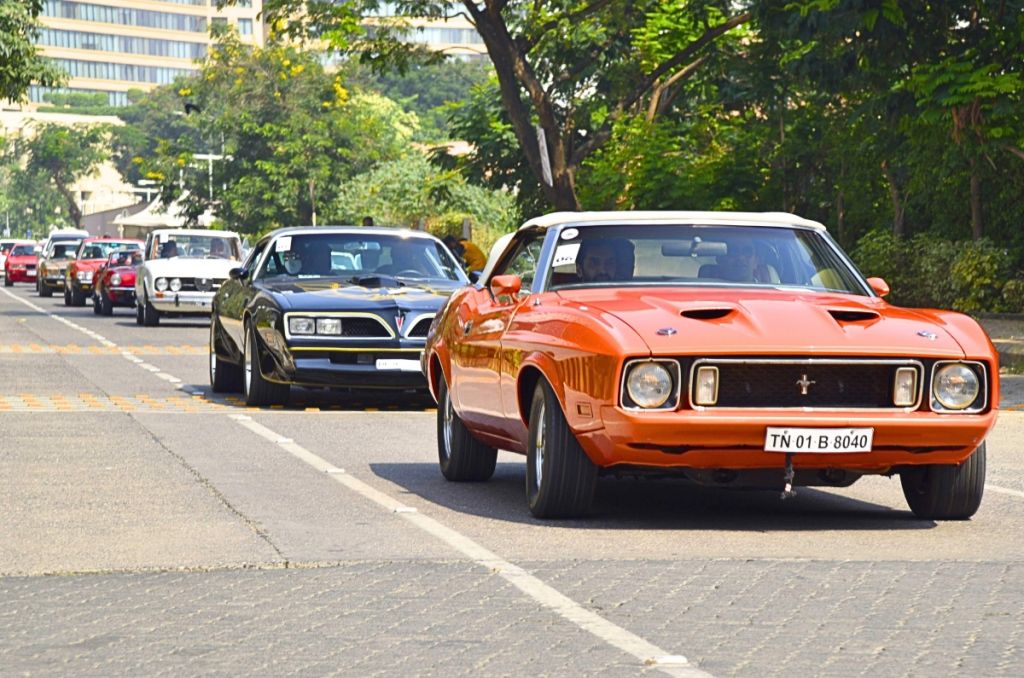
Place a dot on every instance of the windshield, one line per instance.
(23, 250)
(196, 246)
(100, 249)
(355, 255)
(63, 249)
(730, 256)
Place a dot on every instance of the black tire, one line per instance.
(44, 289)
(259, 391)
(67, 294)
(95, 305)
(150, 316)
(462, 457)
(8, 282)
(77, 298)
(560, 478)
(106, 305)
(138, 313)
(225, 377)
(946, 491)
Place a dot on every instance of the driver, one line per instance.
(218, 248)
(601, 260)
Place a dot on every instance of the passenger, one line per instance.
(472, 256)
(218, 249)
(168, 249)
(740, 263)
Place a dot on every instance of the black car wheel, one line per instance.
(150, 316)
(67, 294)
(946, 491)
(225, 377)
(8, 282)
(560, 478)
(43, 289)
(259, 391)
(138, 313)
(106, 305)
(77, 297)
(95, 305)
(462, 457)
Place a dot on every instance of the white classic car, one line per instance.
(182, 270)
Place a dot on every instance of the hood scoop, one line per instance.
(706, 313)
(846, 315)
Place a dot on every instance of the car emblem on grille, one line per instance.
(804, 384)
(399, 320)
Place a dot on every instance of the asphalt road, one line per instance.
(149, 527)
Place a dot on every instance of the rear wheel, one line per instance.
(225, 377)
(560, 478)
(462, 457)
(946, 491)
(259, 391)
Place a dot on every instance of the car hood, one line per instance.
(22, 259)
(776, 322)
(177, 267)
(336, 295)
(87, 264)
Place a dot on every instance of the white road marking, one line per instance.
(647, 653)
(1005, 490)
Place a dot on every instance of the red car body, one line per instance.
(803, 378)
(115, 282)
(20, 264)
(91, 255)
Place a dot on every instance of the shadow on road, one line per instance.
(658, 504)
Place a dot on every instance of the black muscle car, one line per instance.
(329, 306)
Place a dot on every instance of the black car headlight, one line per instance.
(651, 384)
(956, 385)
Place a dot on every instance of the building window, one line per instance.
(245, 26)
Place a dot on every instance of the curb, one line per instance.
(1011, 352)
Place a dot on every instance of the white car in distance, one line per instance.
(182, 270)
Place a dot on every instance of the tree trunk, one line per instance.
(898, 208)
(976, 222)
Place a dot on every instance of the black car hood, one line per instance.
(370, 292)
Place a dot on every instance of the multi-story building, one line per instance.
(112, 46)
(454, 36)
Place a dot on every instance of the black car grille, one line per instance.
(363, 328)
(767, 383)
(421, 328)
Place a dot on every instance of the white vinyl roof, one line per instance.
(675, 217)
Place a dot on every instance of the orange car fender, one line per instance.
(975, 343)
(581, 412)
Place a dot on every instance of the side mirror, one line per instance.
(880, 287)
(237, 273)
(506, 285)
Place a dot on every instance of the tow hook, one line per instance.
(787, 479)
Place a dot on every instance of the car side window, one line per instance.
(524, 259)
(253, 259)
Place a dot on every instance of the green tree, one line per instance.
(53, 159)
(290, 135)
(569, 68)
(20, 62)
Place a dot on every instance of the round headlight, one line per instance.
(955, 386)
(161, 284)
(115, 279)
(175, 284)
(649, 384)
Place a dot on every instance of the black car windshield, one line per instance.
(100, 249)
(23, 250)
(697, 255)
(356, 255)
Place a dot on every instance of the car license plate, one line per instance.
(398, 364)
(818, 440)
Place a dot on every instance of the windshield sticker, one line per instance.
(570, 233)
(566, 254)
(284, 243)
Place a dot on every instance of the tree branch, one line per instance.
(1016, 151)
(572, 18)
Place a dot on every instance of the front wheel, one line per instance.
(560, 478)
(106, 305)
(138, 313)
(77, 298)
(946, 491)
(259, 391)
(8, 282)
(150, 316)
(225, 377)
(462, 457)
(44, 289)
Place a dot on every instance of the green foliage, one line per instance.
(20, 62)
(925, 271)
(409, 190)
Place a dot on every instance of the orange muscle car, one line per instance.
(736, 349)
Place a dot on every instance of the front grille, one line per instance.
(420, 327)
(201, 284)
(799, 383)
(364, 328)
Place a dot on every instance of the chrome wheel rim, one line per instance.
(248, 365)
(538, 448)
(449, 415)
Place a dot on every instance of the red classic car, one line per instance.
(91, 255)
(20, 264)
(736, 349)
(114, 282)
